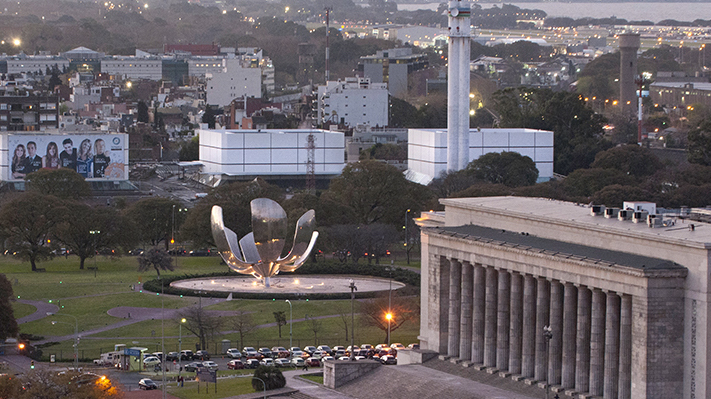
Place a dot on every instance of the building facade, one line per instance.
(20, 112)
(354, 102)
(392, 67)
(233, 81)
(133, 67)
(578, 297)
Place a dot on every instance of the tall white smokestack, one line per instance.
(458, 85)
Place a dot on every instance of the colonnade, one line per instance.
(496, 319)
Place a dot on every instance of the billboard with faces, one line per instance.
(94, 156)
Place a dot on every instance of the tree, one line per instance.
(190, 150)
(27, 223)
(630, 159)
(142, 112)
(376, 192)
(280, 318)
(577, 129)
(199, 322)
(450, 182)
(54, 81)
(271, 376)
(157, 258)
(314, 325)
(402, 309)
(508, 168)
(46, 384)
(153, 218)
(700, 143)
(583, 183)
(209, 117)
(62, 183)
(242, 323)
(8, 324)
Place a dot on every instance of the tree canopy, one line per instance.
(508, 168)
(62, 183)
(8, 324)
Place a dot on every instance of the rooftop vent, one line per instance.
(597, 210)
(611, 213)
(624, 214)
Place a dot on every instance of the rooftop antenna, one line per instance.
(328, 28)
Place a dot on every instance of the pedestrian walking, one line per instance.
(306, 367)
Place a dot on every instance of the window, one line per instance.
(3, 106)
(3, 118)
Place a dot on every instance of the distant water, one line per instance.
(654, 12)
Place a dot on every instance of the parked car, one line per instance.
(280, 352)
(235, 364)
(339, 353)
(136, 252)
(200, 252)
(172, 356)
(344, 358)
(186, 355)
(387, 359)
(266, 352)
(251, 353)
(297, 362)
(201, 355)
(338, 348)
(319, 354)
(398, 346)
(298, 354)
(210, 365)
(381, 346)
(267, 361)
(323, 359)
(413, 346)
(159, 355)
(313, 362)
(147, 384)
(366, 346)
(192, 367)
(151, 361)
(294, 349)
(233, 353)
(325, 348)
(310, 349)
(281, 362)
(360, 358)
(251, 364)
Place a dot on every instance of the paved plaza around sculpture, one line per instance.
(290, 285)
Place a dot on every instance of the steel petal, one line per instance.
(269, 227)
(304, 230)
(303, 258)
(222, 237)
(249, 249)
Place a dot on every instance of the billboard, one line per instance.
(94, 156)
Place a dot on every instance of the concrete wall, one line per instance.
(339, 373)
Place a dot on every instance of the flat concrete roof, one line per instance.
(579, 214)
(557, 248)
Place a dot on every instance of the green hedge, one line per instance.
(408, 277)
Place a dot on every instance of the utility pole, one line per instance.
(328, 14)
(310, 164)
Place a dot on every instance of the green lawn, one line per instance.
(80, 294)
(22, 310)
(312, 377)
(225, 387)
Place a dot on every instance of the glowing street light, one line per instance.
(389, 317)
(16, 42)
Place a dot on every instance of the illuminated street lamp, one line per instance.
(16, 42)
(180, 343)
(291, 322)
(389, 317)
(76, 335)
(353, 288)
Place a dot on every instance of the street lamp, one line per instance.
(548, 334)
(389, 316)
(180, 344)
(353, 288)
(407, 236)
(76, 335)
(291, 322)
(93, 235)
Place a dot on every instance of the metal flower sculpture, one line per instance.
(258, 252)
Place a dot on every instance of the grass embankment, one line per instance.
(88, 298)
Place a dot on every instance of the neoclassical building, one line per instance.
(590, 302)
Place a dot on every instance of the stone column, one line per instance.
(516, 325)
(543, 301)
(582, 358)
(612, 346)
(479, 307)
(570, 325)
(625, 381)
(438, 307)
(556, 342)
(465, 327)
(502, 324)
(528, 346)
(455, 288)
(597, 342)
(490, 315)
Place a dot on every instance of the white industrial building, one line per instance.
(355, 101)
(133, 67)
(427, 149)
(270, 152)
(33, 64)
(234, 80)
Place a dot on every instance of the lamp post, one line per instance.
(162, 337)
(93, 235)
(172, 238)
(76, 335)
(407, 236)
(180, 344)
(353, 288)
(264, 384)
(291, 322)
(548, 334)
(389, 317)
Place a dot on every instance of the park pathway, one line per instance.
(42, 309)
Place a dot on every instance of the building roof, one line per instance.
(683, 84)
(569, 213)
(557, 248)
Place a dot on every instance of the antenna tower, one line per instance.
(310, 163)
(328, 14)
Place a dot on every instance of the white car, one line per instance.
(297, 362)
(398, 346)
(344, 358)
(151, 361)
(282, 362)
(267, 361)
(323, 359)
(360, 358)
(210, 365)
(234, 353)
(298, 353)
